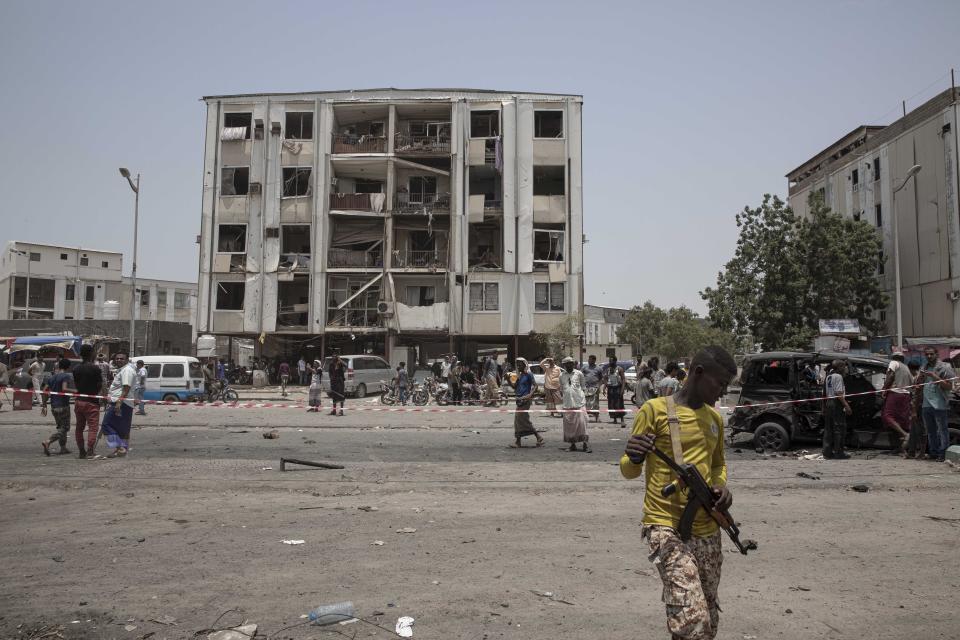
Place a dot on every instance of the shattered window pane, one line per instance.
(547, 245)
(541, 296)
(549, 181)
(484, 124)
(556, 297)
(296, 182)
(230, 296)
(548, 124)
(234, 181)
(232, 238)
(299, 125)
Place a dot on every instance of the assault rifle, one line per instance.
(699, 494)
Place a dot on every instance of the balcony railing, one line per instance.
(421, 145)
(428, 259)
(422, 203)
(347, 258)
(347, 143)
(297, 262)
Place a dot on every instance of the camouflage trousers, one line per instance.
(690, 572)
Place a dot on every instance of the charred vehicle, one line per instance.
(786, 377)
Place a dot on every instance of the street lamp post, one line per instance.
(20, 252)
(135, 185)
(913, 171)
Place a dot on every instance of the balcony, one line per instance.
(354, 259)
(357, 202)
(350, 143)
(414, 259)
(354, 318)
(422, 203)
(413, 145)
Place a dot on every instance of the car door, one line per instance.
(769, 380)
(864, 427)
(172, 378)
(153, 390)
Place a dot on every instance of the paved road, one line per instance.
(190, 525)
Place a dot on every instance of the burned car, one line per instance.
(788, 376)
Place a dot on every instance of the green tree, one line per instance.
(563, 339)
(787, 273)
(673, 334)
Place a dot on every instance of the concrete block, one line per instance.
(953, 453)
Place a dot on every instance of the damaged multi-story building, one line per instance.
(384, 220)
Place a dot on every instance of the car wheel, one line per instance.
(361, 391)
(954, 436)
(772, 436)
(171, 397)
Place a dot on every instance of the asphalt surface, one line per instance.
(191, 525)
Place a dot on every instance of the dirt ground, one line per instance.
(190, 525)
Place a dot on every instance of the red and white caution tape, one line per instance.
(428, 409)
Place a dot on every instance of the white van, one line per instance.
(363, 375)
(172, 377)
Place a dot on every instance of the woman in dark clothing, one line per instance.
(337, 378)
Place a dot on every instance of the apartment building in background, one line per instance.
(73, 283)
(857, 175)
(600, 332)
(386, 220)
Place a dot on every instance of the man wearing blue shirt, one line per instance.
(937, 378)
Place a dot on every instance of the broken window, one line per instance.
(485, 242)
(181, 300)
(548, 124)
(236, 126)
(295, 246)
(230, 296)
(486, 182)
(162, 298)
(41, 292)
(84, 261)
(360, 297)
(423, 188)
(234, 181)
(70, 292)
(144, 297)
(356, 243)
(424, 296)
(293, 301)
(549, 181)
(548, 245)
(484, 296)
(88, 294)
(548, 296)
(879, 213)
(484, 124)
(296, 182)
(876, 169)
(855, 177)
(299, 125)
(232, 238)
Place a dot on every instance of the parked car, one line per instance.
(776, 377)
(172, 377)
(363, 374)
(631, 375)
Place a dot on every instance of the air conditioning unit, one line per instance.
(385, 308)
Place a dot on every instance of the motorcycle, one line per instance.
(421, 393)
(388, 395)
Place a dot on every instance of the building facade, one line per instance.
(857, 176)
(601, 325)
(367, 221)
(72, 283)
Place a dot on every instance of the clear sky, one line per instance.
(691, 110)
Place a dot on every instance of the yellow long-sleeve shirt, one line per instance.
(701, 434)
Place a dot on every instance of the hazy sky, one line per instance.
(691, 110)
